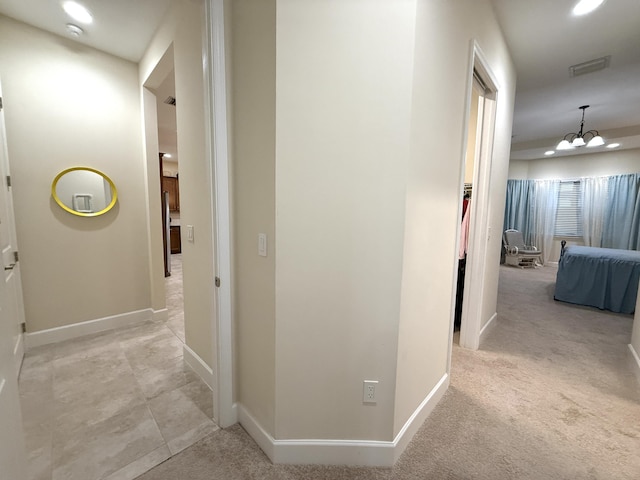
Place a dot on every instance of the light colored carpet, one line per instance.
(551, 395)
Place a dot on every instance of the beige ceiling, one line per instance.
(545, 40)
(120, 27)
(543, 37)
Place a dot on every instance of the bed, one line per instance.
(605, 278)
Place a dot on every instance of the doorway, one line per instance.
(475, 185)
(200, 242)
(169, 179)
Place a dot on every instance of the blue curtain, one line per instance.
(622, 213)
(518, 211)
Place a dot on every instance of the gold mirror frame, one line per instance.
(54, 194)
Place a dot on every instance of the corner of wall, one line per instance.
(634, 346)
(369, 453)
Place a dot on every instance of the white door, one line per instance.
(12, 452)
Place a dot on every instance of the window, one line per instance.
(569, 213)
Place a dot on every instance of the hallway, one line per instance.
(113, 404)
(550, 395)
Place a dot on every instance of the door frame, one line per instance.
(479, 234)
(225, 411)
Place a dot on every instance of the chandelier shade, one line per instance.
(590, 138)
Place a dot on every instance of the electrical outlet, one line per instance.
(369, 391)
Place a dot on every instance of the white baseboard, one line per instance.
(264, 440)
(161, 315)
(490, 325)
(198, 365)
(75, 330)
(636, 357)
(420, 414)
(234, 412)
(18, 353)
(369, 453)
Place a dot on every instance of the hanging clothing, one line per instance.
(464, 232)
(465, 204)
(462, 266)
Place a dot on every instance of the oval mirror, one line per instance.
(84, 191)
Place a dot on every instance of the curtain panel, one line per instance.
(518, 212)
(595, 192)
(622, 213)
(544, 215)
(610, 211)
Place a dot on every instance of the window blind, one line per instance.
(569, 213)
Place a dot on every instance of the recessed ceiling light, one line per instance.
(167, 155)
(613, 145)
(586, 6)
(77, 12)
(549, 152)
(74, 30)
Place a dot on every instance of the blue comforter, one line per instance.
(599, 277)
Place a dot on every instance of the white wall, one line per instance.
(253, 50)
(343, 104)
(518, 169)
(360, 209)
(433, 193)
(68, 105)
(153, 202)
(469, 165)
(182, 28)
(170, 169)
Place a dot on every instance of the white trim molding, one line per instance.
(482, 177)
(18, 353)
(420, 414)
(204, 371)
(161, 315)
(75, 330)
(217, 147)
(370, 453)
(636, 357)
(488, 327)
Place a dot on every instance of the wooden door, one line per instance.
(170, 184)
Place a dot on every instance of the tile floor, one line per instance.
(114, 404)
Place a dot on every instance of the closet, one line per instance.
(462, 253)
(473, 138)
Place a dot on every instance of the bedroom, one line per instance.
(563, 64)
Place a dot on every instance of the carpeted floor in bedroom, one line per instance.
(551, 394)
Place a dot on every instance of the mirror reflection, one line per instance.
(84, 191)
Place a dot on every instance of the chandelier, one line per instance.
(590, 138)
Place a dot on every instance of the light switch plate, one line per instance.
(262, 244)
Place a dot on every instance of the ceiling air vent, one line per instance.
(590, 66)
(170, 101)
